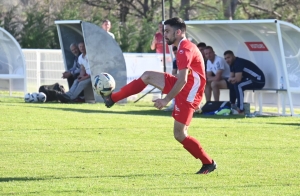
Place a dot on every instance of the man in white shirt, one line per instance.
(83, 80)
(106, 25)
(217, 73)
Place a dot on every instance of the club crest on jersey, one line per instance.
(180, 51)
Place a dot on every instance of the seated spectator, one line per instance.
(73, 73)
(243, 75)
(83, 80)
(201, 46)
(217, 74)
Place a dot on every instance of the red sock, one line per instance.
(132, 88)
(194, 147)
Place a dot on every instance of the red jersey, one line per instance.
(188, 56)
(159, 44)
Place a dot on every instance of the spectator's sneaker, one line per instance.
(237, 112)
(63, 98)
(234, 107)
(207, 168)
(79, 100)
(107, 100)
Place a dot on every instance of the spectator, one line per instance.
(243, 75)
(83, 80)
(157, 41)
(174, 73)
(201, 46)
(106, 25)
(215, 65)
(73, 73)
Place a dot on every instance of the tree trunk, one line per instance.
(185, 6)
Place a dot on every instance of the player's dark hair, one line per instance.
(209, 47)
(105, 20)
(176, 23)
(228, 52)
(201, 44)
(174, 48)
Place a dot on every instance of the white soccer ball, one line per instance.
(41, 97)
(104, 83)
(27, 97)
(34, 97)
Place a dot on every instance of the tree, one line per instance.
(36, 31)
(287, 10)
(10, 22)
(229, 7)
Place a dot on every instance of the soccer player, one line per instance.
(187, 87)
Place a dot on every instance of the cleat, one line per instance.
(107, 100)
(207, 168)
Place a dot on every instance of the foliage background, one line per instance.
(134, 22)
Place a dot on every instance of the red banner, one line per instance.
(256, 46)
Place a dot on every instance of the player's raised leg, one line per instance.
(153, 78)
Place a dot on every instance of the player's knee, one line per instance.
(179, 136)
(146, 76)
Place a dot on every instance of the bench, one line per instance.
(281, 95)
(9, 77)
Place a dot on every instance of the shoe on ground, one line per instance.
(107, 100)
(237, 112)
(63, 98)
(234, 107)
(79, 100)
(207, 168)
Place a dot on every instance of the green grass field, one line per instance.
(87, 149)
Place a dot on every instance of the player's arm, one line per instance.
(178, 86)
(174, 72)
(153, 43)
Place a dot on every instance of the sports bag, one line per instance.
(50, 91)
(216, 108)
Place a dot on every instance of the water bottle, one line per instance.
(281, 82)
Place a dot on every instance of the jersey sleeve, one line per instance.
(184, 58)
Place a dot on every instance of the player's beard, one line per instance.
(172, 40)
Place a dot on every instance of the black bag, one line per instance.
(50, 91)
(212, 107)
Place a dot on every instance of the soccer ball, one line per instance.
(41, 97)
(34, 97)
(104, 83)
(27, 97)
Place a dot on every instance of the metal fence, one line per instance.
(44, 67)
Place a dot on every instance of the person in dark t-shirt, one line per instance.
(244, 75)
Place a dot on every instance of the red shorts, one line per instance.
(183, 109)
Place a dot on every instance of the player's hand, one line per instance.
(160, 103)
